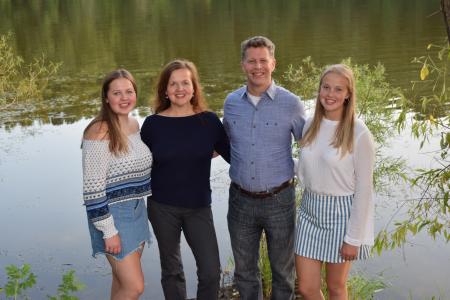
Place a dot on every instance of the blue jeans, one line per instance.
(247, 218)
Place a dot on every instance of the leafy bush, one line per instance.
(21, 279)
(426, 108)
(20, 81)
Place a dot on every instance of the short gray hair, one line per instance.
(257, 42)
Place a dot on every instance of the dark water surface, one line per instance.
(42, 221)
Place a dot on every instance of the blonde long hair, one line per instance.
(344, 134)
(118, 142)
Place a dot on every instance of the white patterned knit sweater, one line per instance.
(109, 179)
(322, 171)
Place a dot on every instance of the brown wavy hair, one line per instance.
(118, 142)
(161, 102)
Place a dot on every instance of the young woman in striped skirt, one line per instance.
(335, 218)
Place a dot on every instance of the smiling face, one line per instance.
(180, 89)
(121, 96)
(258, 66)
(333, 92)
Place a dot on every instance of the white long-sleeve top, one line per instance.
(109, 179)
(322, 170)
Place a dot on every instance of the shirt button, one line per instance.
(253, 178)
(253, 144)
(251, 163)
(254, 126)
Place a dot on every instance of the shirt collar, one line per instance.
(271, 91)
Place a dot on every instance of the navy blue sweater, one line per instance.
(182, 149)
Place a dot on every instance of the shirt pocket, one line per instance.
(238, 126)
(275, 132)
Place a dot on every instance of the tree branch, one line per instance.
(445, 8)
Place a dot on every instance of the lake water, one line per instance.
(42, 221)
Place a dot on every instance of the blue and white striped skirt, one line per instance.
(321, 226)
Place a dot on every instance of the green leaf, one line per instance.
(424, 72)
(425, 223)
(441, 53)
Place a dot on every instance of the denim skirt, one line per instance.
(130, 219)
(321, 227)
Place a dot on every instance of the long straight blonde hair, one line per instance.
(118, 142)
(343, 136)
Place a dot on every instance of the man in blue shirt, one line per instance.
(260, 119)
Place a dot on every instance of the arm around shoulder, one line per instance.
(222, 144)
(298, 120)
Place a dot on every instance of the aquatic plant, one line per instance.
(362, 288)
(21, 278)
(264, 267)
(20, 81)
(426, 109)
(70, 284)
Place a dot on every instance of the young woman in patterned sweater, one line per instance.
(116, 178)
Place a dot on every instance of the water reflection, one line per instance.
(91, 38)
(44, 222)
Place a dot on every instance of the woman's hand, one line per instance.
(113, 244)
(349, 252)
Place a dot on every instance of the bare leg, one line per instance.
(128, 279)
(115, 285)
(337, 275)
(308, 276)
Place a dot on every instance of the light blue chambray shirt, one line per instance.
(261, 136)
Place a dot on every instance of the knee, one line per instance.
(139, 289)
(135, 290)
(308, 291)
(210, 276)
(336, 289)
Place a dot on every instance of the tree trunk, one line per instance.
(445, 7)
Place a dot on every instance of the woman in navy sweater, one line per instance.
(183, 137)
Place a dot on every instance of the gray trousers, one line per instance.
(198, 227)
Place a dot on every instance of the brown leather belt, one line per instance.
(264, 194)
